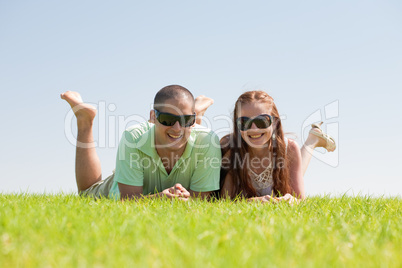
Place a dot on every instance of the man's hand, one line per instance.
(135, 192)
(177, 191)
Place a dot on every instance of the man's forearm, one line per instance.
(141, 196)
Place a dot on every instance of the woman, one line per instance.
(258, 162)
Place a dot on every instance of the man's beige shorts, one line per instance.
(99, 189)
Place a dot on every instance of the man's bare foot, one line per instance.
(84, 112)
(201, 105)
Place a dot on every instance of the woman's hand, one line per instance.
(288, 198)
(264, 199)
(270, 199)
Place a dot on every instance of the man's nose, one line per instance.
(177, 126)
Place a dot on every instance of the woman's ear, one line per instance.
(152, 117)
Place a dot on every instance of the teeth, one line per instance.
(255, 136)
(173, 136)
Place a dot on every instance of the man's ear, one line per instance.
(152, 117)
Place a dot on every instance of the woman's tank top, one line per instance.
(263, 182)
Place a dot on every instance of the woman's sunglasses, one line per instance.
(261, 121)
(169, 120)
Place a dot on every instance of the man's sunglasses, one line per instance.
(169, 120)
(260, 121)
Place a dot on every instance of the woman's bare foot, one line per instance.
(84, 112)
(201, 105)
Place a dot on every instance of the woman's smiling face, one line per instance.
(256, 137)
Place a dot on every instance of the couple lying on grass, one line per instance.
(172, 156)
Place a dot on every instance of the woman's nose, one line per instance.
(253, 126)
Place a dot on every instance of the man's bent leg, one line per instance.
(87, 165)
(99, 189)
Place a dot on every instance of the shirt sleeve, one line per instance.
(129, 171)
(208, 158)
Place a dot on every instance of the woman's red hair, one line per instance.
(236, 149)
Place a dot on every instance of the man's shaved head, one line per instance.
(173, 92)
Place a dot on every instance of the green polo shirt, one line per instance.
(138, 163)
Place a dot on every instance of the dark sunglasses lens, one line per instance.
(170, 119)
(262, 121)
(189, 120)
(244, 123)
(167, 119)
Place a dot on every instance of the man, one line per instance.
(166, 157)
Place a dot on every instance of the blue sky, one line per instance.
(307, 55)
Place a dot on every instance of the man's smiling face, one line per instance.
(173, 138)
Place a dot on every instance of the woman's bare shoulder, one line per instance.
(292, 145)
(293, 150)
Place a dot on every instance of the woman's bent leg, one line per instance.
(316, 138)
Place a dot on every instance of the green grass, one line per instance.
(66, 230)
